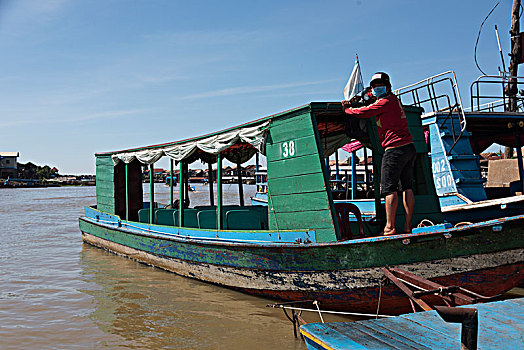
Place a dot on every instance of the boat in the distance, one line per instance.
(260, 197)
(303, 245)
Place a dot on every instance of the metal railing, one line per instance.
(435, 95)
(493, 102)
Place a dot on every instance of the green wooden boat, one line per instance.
(303, 245)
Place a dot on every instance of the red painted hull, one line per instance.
(487, 282)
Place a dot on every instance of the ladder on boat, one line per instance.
(437, 94)
(455, 168)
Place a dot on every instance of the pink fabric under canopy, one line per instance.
(352, 146)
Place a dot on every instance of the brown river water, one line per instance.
(59, 293)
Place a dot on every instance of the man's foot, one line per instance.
(390, 232)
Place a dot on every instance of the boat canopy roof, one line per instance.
(236, 144)
(247, 141)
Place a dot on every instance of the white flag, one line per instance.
(355, 84)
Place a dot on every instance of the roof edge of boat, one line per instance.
(311, 106)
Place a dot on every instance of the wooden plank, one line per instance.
(105, 200)
(298, 202)
(303, 220)
(104, 176)
(291, 117)
(433, 321)
(103, 192)
(308, 164)
(325, 334)
(325, 234)
(498, 322)
(298, 184)
(106, 208)
(105, 195)
(105, 166)
(499, 327)
(505, 309)
(292, 153)
(298, 127)
(359, 335)
(106, 185)
(291, 148)
(420, 333)
(104, 160)
(395, 339)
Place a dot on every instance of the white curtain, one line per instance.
(254, 135)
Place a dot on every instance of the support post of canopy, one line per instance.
(337, 169)
(181, 193)
(366, 170)
(257, 163)
(210, 182)
(186, 183)
(219, 191)
(328, 169)
(171, 161)
(240, 186)
(151, 193)
(127, 194)
(347, 183)
(353, 175)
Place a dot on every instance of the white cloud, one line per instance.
(255, 89)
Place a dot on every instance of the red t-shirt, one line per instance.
(392, 124)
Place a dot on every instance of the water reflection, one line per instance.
(58, 293)
(151, 308)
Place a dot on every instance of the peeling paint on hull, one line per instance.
(356, 289)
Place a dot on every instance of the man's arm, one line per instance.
(367, 111)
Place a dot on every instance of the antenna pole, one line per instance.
(515, 55)
(500, 51)
(513, 64)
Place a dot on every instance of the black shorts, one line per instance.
(397, 166)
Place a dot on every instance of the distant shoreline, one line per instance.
(57, 182)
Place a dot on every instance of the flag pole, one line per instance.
(360, 70)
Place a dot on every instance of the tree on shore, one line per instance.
(32, 171)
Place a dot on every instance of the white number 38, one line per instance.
(288, 149)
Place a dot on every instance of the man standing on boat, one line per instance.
(399, 157)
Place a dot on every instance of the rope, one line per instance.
(319, 313)
(425, 222)
(412, 285)
(379, 297)
(333, 312)
(463, 223)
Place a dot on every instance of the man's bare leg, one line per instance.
(391, 212)
(409, 206)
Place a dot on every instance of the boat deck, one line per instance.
(501, 325)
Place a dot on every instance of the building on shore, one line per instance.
(8, 164)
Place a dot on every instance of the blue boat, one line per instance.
(305, 244)
(260, 197)
(500, 326)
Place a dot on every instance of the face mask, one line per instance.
(379, 91)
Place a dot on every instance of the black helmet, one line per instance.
(380, 77)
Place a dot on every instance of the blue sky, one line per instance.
(80, 77)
